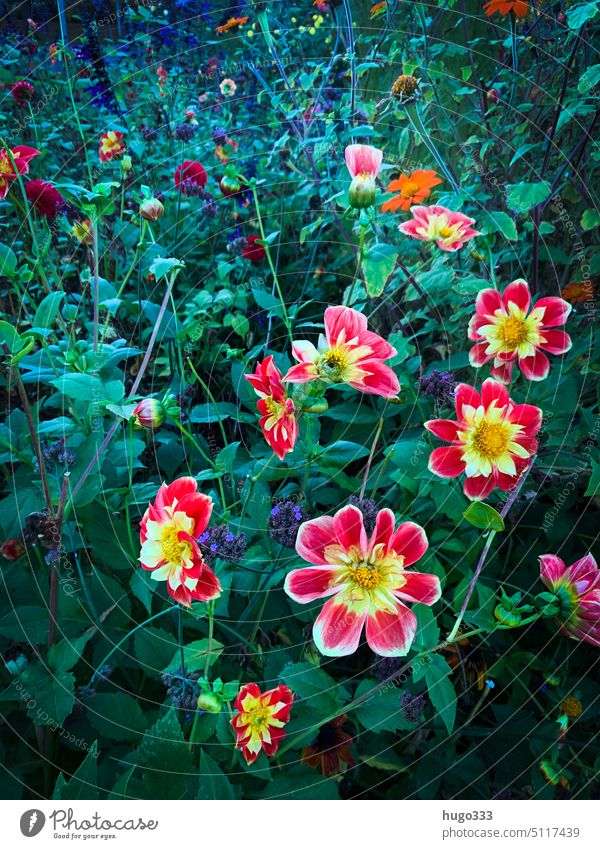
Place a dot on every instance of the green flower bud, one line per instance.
(149, 414)
(210, 702)
(362, 191)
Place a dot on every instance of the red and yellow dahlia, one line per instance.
(577, 588)
(21, 155)
(492, 442)
(506, 331)
(347, 353)
(259, 722)
(111, 145)
(278, 418)
(449, 230)
(368, 579)
(412, 189)
(168, 533)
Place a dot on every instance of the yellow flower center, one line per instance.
(410, 190)
(513, 331)
(366, 577)
(491, 439)
(172, 549)
(445, 232)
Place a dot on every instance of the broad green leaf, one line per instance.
(48, 310)
(378, 265)
(481, 515)
(525, 196)
(214, 784)
(84, 782)
(164, 759)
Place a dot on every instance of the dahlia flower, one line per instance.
(253, 251)
(111, 145)
(450, 230)
(347, 353)
(505, 7)
(363, 163)
(44, 198)
(492, 442)
(577, 588)
(168, 532)
(412, 189)
(278, 420)
(82, 231)
(22, 155)
(368, 579)
(190, 173)
(506, 331)
(22, 92)
(259, 722)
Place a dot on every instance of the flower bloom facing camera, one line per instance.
(577, 590)
(188, 175)
(82, 231)
(347, 353)
(278, 419)
(492, 442)
(168, 532)
(368, 579)
(227, 87)
(412, 189)
(21, 155)
(363, 163)
(111, 145)
(449, 230)
(506, 331)
(260, 720)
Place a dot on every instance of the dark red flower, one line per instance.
(22, 92)
(12, 549)
(331, 749)
(47, 200)
(253, 251)
(190, 173)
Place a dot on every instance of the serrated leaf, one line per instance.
(214, 784)
(164, 759)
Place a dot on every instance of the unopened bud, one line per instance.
(151, 209)
(362, 191)
(149, 414)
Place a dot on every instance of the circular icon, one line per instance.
(32, 822)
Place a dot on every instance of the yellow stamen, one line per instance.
(445, 232)
(366, 578)
(173, 550)
(491, 439)
(512, 332)
(410, 189)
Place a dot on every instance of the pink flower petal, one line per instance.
(488, 301)
(556, 342)
(313, 537)
(337, 629)
(478, 356)
(517, 292)
(391, 634)
(535, 367)
(466, 394)
(445, 429)
(303, 373)
(305, 585)
(379, 380)
(410, 540)
(528, 416)
(502, 371)
(556, 311)
(349, 529)
(363, 159)
(447, 462)
(552, 568)
(384, 528)
(479, 487)
(343, 321)
(420, 587)
(492, 390)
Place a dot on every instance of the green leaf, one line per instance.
(483, 516)
(195, 654)
(501, 222)
(50, 698)
(312, 684)
(589, 79)
(84, 783)
(63, 656)
(10, 338)
(27, 623)
(441, 691)
(8, 261)
(378, 265)
(524, 196)
(117, 716)
(162, 266)
(165, 760)
(590, 218)
(382, 711)
(47, 311)
(579, 15)
(214, 784)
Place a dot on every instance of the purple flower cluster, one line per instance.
(218, 542)
(284, 522)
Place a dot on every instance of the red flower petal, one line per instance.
(304, 585)
(556, 311)
(502, 371)
(337, 629)
(492, 390)
(528, 416)
(557, 342)
(552, 568)
(535, 367)
(479, 487)
(410, 540)
(420, 587)
(391, 634)
(313, 537)
(447, 462)
(445, 429)
(478, 356)
(517, 292)
(488, 301)
(349, 529)
(466, 394)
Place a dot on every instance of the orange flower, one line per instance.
(413, 188)
(231, 23)
(578, 293)
(378, 9)
(504, 7)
